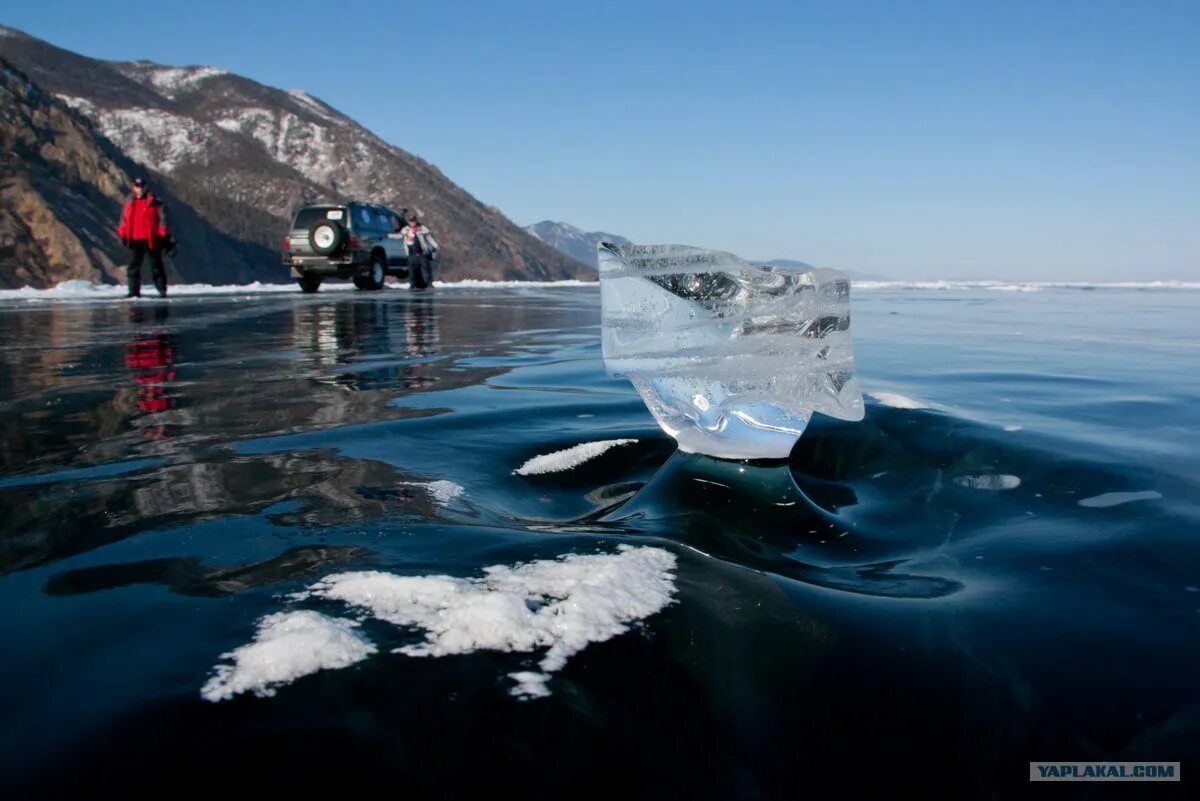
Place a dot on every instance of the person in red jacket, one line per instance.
(144, 230)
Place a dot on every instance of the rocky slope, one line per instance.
(243, 156)
(61, 192)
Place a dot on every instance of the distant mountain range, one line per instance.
(853, 275)
(231, 158)
(574, 242)
(581, 246)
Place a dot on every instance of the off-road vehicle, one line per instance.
(359, 241)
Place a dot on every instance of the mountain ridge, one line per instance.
(243, 156)
(578, 244)
(574, 242)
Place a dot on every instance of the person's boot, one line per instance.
(160, 282)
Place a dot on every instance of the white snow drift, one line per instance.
(569, 457)
(559, 605)
(288, 645)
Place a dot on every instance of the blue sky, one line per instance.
(1006, 140)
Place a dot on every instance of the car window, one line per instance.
(363, 217)
(310, 214)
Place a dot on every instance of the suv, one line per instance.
(354, 240)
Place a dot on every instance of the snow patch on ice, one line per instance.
(569, 457)
(76, 290)
(288, 645)
(444, 492)
(897, 401)
(530, 684)
(561, 605)
(1109, 499)
(474, 283)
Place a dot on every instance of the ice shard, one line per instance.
(731, 358)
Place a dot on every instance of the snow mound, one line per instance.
(288, 645)
(568, 458)
(561, 605)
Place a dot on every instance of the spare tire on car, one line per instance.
(326, 237)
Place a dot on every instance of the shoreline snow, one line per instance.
(76, 290)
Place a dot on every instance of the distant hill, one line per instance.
(234, 155)
(574, 242)
(581, 246)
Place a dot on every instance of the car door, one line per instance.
(394, 242)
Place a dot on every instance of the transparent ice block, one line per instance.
(731, 358)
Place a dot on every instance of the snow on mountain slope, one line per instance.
(247, 155)
(574, 242)
(170, 81)
(149, 135)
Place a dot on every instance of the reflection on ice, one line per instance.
(731, 358)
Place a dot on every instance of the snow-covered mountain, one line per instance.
(574, 242)
(581, 246)
(246, 155)
(62, 190)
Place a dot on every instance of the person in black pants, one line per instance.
(422, 249)
(143, 230)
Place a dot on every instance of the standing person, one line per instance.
(422, 249)
(144, 230)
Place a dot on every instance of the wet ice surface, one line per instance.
(1117, 498)
(196, 497)
(731, 358)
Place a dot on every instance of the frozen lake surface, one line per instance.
(425, 543)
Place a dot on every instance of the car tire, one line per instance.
(326, 237)
(375, 275)
(309, 282)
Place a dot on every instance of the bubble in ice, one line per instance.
(731, 358)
